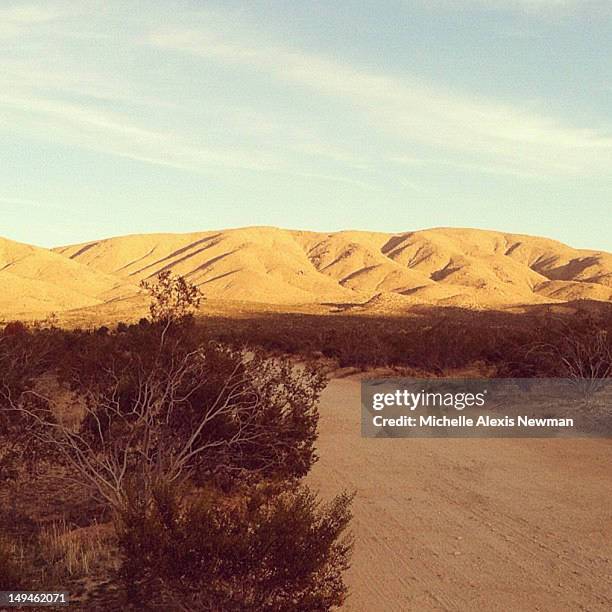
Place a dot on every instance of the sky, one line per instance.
(127, 116)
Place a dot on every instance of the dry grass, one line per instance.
(12, 559)
(78, 552)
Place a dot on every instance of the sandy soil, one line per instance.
(508, 525)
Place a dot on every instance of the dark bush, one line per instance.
(15, 328)
(262, 550)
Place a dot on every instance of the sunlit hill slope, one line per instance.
(465, 267)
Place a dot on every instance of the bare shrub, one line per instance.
(164, 416)
(180, 412)
(580, 350)
(24, 356)
(172, 297)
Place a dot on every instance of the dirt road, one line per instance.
(472, 524)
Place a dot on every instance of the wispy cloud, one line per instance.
(504, 170)
(519, 6)
(27, 14)
(111, 132)
(58, 100)
(40, 77)
(506, 134)
(16, 19)
(101, 111)
(26, 202)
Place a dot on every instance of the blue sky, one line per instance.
(138, 116)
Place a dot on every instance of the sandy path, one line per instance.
(469, 524)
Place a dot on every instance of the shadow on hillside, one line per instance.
(425, 337)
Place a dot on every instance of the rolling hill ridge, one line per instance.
(447, 266)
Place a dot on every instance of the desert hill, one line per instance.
(446, 266)
(36, 280)
(264, 264)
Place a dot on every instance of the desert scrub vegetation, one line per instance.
(267, 547)
(193, 450)
(430, 340)
(11, 563)
(77, 551)
(579, 349)
(163, 461)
